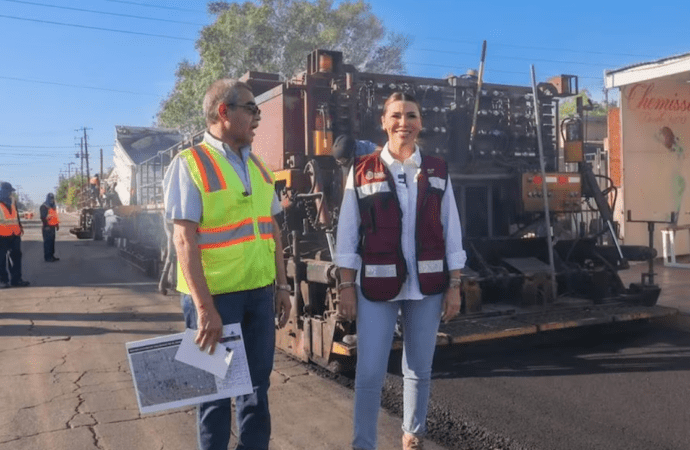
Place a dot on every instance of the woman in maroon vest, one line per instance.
(399, 250)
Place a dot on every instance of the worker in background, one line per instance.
(222, 201)
(345, 148)
(51, 224)
(95, 186)
(11, 231)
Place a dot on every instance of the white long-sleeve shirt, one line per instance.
(405, 176)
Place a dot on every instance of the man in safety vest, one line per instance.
(10, 239)
(222, 201)
(51, 223)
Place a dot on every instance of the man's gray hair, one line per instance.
(225, 90)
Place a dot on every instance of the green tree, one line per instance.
(568, 107)
(275, 36)
(68, 190)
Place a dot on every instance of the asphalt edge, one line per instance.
(679, 321)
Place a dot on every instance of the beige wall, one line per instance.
(655, 134)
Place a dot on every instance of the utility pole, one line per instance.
(81, 160)
(101, 166)
(86, 149)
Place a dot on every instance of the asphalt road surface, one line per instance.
(66, 383)
(600, 389)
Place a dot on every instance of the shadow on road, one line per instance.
(635, 347)
(72, 330)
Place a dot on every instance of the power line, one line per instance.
(155, 6)
(102, 12)
(512, 72)
(75, 86)
(97, 28)
(514, 57)
(420, 49)
(39, 146)
(35, 157)
(554, 49)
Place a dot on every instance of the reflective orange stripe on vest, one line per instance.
(266, 227)
(210, 172)
(217, 237)
(9, 221)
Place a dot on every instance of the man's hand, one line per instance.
(451, 304)
(57, 227)
(209, 329)
(347, 307)
(283, 307)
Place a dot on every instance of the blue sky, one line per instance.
(56, 79)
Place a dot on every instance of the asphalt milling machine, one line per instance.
(516, 168)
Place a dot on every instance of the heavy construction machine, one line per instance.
(517, 172)
(537, 224)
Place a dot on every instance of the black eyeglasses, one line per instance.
(251, 108)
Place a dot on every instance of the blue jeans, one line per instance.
(254, 310)
(48, 243)
(10, 251)
(375, 327)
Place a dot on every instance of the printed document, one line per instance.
(163, 382)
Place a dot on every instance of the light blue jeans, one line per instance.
(375, 327)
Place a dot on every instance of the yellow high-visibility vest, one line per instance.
(235, 234)
(9, 221)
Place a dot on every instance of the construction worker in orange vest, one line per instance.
(51, 223)
(10, 239)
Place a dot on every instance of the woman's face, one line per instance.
(402, 122)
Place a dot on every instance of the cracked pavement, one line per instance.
(66, 380)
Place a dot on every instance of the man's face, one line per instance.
(241, 120)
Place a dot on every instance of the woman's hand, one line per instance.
(451, 304)
(347, 307)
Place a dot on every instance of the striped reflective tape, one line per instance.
(373, 188)
(266, 227)
(217, 237)
(211, 175)
(430, 266)
(438, 183)
(380, 271)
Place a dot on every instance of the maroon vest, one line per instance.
(383, 265)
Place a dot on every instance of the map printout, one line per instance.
(161, 382)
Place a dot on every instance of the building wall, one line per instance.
(122, 168)
(655, 131)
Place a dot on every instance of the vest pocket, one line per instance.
(382, 276)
